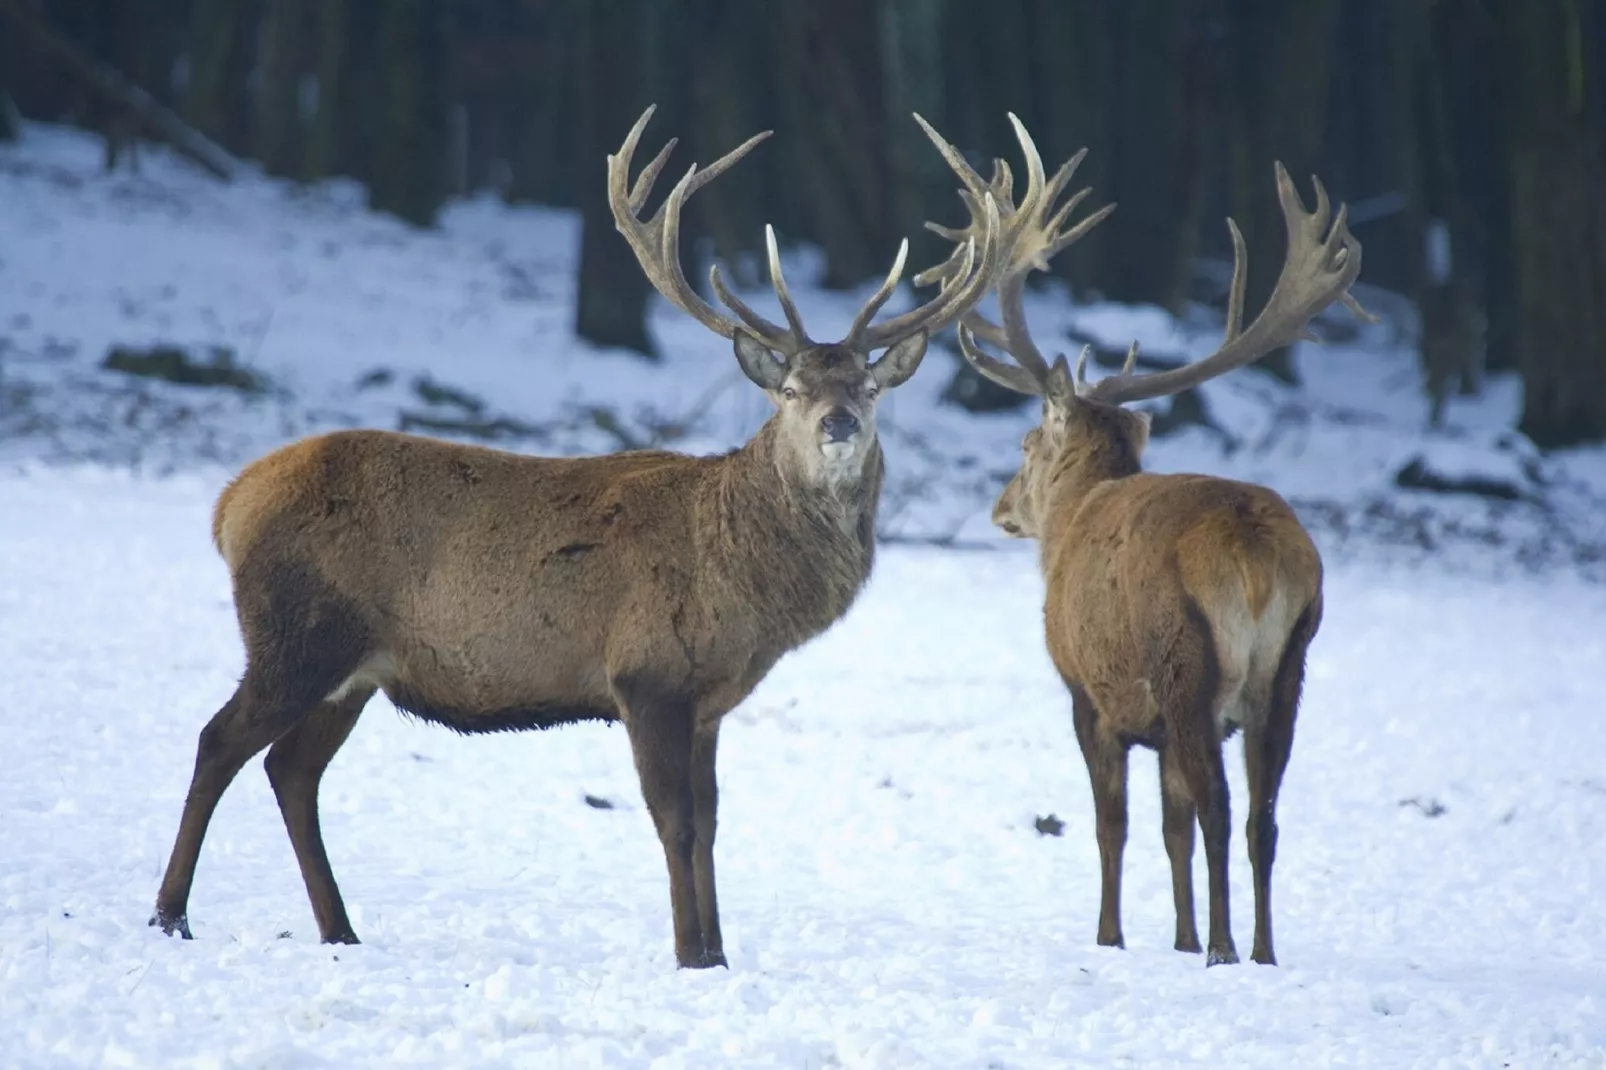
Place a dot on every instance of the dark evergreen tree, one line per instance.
(278, 132)
(1551, 118)
(409, 177)
(218, 62)
(608, 95)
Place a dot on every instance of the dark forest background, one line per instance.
(1466, 135)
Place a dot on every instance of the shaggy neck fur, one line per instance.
(1085, 462)
(797, 554)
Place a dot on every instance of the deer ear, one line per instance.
(899, 362)
(1061, 386)
(1141, 423)
(758, 361)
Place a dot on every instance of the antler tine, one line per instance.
(778, 339)
(1003, 181)
(1080, 379)
(1240, 282)
(1035, 178)
(656, 242)
(642, 189)
(778, 281)
(1322, 263)
(1031, 236)
(1010, 376)
(855, 333)
(985, 329)
(955, 159)
(975, 275)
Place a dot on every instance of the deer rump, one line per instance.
(1167, 569)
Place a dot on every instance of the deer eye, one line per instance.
(873, 392)
(789, 394)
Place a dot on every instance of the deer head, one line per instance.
(1085, 435)
(825, 392)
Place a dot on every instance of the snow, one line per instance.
(887, 901)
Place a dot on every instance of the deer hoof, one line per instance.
(1225, 956)
(172, 923)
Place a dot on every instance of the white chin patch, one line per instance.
(838, 452)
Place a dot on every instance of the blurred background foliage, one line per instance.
(1466, 135)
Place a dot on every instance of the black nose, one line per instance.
(839, 425)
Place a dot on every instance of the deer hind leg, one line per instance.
(295, 766)
(1106, 769)
(302, 641)
(1179, 818)
(248, 722)
(1268, 741)
(705, 805)
(661, 740)
(1189, 697)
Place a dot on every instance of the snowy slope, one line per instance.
(344, 312)
(887, 901)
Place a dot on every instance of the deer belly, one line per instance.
(488, 685)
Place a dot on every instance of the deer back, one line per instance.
(1146, 569)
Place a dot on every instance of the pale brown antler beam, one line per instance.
(1323, 262)
(656, 242)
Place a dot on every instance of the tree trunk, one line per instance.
(1153, 164)
(1451, 354)
(321, 158)
(911, 53)
(827, 56)
(409, 178)
(1071, 71)
(1465, 51)
(543, 161)
(1282, 60)
(10, 119)
(611, 302)
(214, 100)
(722, 108)
(1558, 219)
(127, 105)
(278, 131)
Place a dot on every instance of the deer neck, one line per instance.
(1079, 471)
(796, 552)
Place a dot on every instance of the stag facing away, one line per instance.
(1178, 607)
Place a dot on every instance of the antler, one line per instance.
(968, 273)
(1031, 236)
(656, 244)
(1323, 261)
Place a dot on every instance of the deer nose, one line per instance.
(839, 425)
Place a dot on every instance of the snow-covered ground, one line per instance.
(887, 899)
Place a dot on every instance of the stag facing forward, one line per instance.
(488, 591)
(1177, 607)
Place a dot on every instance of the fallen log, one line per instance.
(160, 123)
